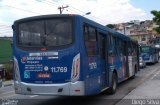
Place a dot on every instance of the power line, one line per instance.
(5, 30)
(2, 25)
(73, 8)
(21, 9)
(56, 4)
(85, 13)
(50, 3)
(61, 8)
(5, 27)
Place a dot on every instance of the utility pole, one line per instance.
(61, 8)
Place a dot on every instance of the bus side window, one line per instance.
(86, 33)
(116, 46)
(122, 48)
(102, 43)
(90, 35)
(129, 49)
(111, 45)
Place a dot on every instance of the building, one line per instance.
(142, 31)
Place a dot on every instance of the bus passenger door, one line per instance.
(103, 59)
(124, 59)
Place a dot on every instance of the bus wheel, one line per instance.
(113, 89)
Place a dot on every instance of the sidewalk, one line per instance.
(148, 93)
(7, 83)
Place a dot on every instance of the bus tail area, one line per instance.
(70, 55)
(52, 79)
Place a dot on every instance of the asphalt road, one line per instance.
(8, 96)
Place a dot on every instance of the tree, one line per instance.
(110, 26)
(156, 19)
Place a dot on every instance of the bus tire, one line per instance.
(113, 88)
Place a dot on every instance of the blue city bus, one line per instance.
(150, 54)
(70, 55)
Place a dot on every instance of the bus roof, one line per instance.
(115, 33)
(43, 17)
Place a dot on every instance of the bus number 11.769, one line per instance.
(59, 69)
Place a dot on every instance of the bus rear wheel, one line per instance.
(113, 89)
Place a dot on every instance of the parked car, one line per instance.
(142, 63)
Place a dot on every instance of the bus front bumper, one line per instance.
(64, 89)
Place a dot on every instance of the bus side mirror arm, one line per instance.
(13, 27)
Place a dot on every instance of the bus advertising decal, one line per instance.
(37, 68)
(32, 63)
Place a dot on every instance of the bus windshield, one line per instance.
(52, 32)
(145, 49)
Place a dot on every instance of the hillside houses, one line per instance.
(142, 31)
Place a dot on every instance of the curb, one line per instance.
(5, 84)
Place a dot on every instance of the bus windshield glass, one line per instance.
(145, 49)
(52, 32)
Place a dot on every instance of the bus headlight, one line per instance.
(75, 68)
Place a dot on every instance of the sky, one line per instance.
(102, 11)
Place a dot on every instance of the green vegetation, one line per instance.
(5, 51)
(110, 26)
(156, 19)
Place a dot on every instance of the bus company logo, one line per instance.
(44, 75)
(34, 58)
(23, 59)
